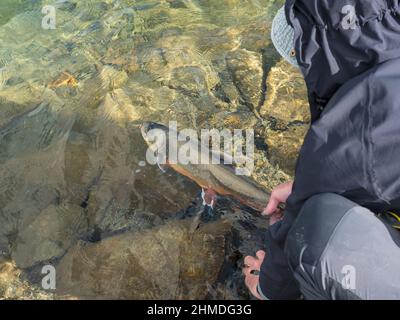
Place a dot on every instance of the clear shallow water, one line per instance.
(72, 191)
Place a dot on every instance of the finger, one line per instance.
(251, 281)
(250, 261)
(260, 255)
(274, 218)
(271, 207)
(251, 284)
(247, 271)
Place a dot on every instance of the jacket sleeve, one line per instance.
(276, 278)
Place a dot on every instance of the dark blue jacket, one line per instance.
(349, 54)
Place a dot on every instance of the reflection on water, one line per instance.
(73, 192)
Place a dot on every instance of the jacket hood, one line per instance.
(337, 40)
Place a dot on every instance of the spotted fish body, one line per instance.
(220, 178)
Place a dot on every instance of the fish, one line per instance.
(215, 179)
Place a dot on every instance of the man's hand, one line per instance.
(279, 195)
(252, 264)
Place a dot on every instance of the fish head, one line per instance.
(156, 128)
(156, 137)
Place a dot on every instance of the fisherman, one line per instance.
(339, 237)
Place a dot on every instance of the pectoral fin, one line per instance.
(209, 197)
(163, 167)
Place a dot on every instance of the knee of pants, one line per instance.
(332, 233)
(314, 226)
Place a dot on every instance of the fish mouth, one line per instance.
(148, 126)
(145, 128)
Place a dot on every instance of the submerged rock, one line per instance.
(287, 115)
(112, 78)
(213, 42)
(50, 235)
(233, 120)
(173, 55)
(13, 286)
(148, 102)
(190, 80)
(247, 73)
(31, 172)
(286, 97)
(66, 5)
(284, 146)
(170, 262)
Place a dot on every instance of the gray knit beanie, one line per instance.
(282, 36)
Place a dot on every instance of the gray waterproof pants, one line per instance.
(339, 250)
